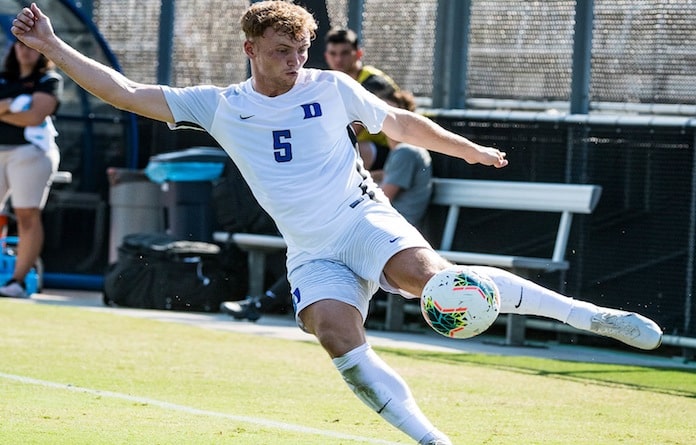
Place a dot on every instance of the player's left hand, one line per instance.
(491, 156)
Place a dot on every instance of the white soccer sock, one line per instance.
(383, 390)
(581, 315)
(521, 296)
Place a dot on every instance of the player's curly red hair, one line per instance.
(284, 17)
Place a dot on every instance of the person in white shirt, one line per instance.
(285, 128)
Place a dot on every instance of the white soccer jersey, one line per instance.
(293, 150)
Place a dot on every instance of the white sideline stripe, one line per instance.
(196, 411)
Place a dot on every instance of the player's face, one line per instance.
(341, 56)
(276, 60)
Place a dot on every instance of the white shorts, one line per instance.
(25, 173)
(351, 269)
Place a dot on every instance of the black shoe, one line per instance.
(252, 308)
(242, 309)
(272, 304)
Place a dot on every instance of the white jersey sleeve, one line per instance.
(191, 107)
(363, 106)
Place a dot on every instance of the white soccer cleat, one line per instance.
(628, 327)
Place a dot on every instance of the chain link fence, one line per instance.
(642, 52)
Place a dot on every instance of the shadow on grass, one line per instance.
(675, 382)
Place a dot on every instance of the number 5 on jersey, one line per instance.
(282, 150)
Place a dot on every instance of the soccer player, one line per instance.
(285, 127)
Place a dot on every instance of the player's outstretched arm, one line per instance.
(34, 29)
(405, 126)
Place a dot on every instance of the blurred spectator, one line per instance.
(30, 93)
(407, 176)
(343, 53)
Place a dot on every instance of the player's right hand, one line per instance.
(32, 27)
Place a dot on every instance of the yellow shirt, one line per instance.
(378, 83)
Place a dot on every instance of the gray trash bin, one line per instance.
(136, 206)
(186, 185)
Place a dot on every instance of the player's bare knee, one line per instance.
(411, 268)
(336, 344)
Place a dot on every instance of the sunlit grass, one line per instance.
(476, 399)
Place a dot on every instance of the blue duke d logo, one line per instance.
(311, 110)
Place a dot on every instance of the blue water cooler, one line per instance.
(186, 181)
(8, 254)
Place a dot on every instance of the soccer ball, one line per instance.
(460, 303)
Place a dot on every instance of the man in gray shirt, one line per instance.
(407, 176)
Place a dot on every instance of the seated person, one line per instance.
(407, 176)
(343, 53)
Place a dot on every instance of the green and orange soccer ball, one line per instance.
(460, 303)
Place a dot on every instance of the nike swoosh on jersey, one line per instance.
(246, 117)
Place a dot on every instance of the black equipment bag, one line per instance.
(156, 271)
(236, 208)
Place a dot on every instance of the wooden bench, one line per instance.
(455, 194)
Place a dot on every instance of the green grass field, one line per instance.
(70, 375)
